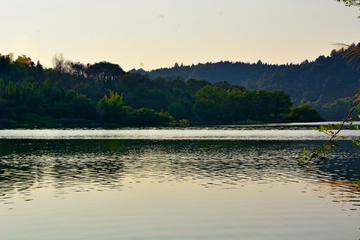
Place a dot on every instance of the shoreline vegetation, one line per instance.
(83, 123)
(88, 124)
(102, 94)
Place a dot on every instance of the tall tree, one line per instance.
(110, 109)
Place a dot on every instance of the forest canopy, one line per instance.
(104, 93)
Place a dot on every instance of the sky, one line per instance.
(152, 34)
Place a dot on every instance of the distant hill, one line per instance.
(319, 82)
(235, 73)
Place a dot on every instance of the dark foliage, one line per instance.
(71, 90)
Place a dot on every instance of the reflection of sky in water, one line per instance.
(164, 188)
(265, 132)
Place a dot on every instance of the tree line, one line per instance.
(325, 83)
(104, 93)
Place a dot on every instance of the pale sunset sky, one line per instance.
(157, 33)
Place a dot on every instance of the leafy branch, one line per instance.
(333, 130)
(349, 3)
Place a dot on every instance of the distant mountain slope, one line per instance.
(323, 80)
(235, 73)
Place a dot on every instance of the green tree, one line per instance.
(177, 83)
(338, 109)
(252, 108)
(305, 113)
(177, 110)
(2, 88)
(74, 105)
(104, 71)
(208, 102)
(267, 102)
(145, 116)
(195, 85)
(282, 102)
(82, 107)
(4, 64)
(110, 109)
(234, 106)
(160, 82)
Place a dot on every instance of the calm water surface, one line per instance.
(224, 182)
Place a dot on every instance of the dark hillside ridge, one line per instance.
(323, 80)
(235, 73)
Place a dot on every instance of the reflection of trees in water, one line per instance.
(345, 194)
(80, 164)
(343, 164)
(68, 147)
(25, 164)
